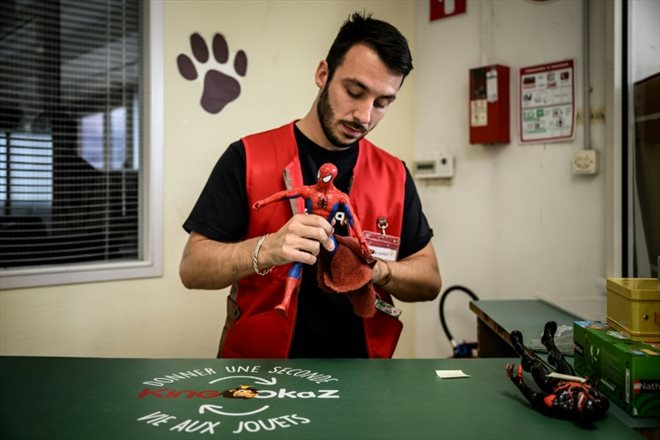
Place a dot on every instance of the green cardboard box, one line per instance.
(626, 371)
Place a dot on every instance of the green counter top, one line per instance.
(72, 398)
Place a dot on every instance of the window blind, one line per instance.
(70, 156)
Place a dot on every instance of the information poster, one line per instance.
(547, 102)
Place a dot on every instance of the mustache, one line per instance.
(355, 126)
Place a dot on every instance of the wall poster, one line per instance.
(547, 102)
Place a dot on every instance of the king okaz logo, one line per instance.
(244, 400)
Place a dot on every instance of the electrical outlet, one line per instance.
(585, 162)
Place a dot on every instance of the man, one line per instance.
(231, 243)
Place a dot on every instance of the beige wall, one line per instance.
(284, 41)
(513, 223)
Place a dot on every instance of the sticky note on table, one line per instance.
(451, 374)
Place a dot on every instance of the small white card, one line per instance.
(451, 374)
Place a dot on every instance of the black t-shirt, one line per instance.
(326, 326)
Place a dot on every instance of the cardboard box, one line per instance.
(633, 307)
(626, 371)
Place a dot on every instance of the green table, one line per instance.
(71, 398)
(496, 319)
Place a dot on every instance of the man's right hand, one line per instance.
(299, 240)
(210, 264)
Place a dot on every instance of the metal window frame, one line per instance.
(151, 265)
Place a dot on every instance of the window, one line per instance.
(80, 153)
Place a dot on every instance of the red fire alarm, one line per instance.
(489, 105)
(446, 8)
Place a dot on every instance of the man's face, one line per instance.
(357, 97)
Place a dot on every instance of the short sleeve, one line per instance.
(221, 212)
(416, 232)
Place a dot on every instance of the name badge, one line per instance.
(383, 246)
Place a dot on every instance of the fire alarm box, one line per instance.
(489, 105)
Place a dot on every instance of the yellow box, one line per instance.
(633, 307)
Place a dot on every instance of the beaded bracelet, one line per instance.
(255, 254)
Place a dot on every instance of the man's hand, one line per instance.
(299, 240)
(413, 278)
(210, 264)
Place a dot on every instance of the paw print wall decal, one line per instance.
(220, 84)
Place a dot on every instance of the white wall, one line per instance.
(284, 42)
(514, 222)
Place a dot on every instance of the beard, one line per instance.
(326, 116)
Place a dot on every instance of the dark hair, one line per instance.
(390, 45)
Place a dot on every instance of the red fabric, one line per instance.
(347, 271)
(260, 332)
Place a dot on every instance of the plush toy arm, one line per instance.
(281, 195)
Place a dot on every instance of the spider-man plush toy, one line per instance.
(325, 200)
(563, 398)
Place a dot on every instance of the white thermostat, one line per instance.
(441, 167)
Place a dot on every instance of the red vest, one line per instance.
(254, 328)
